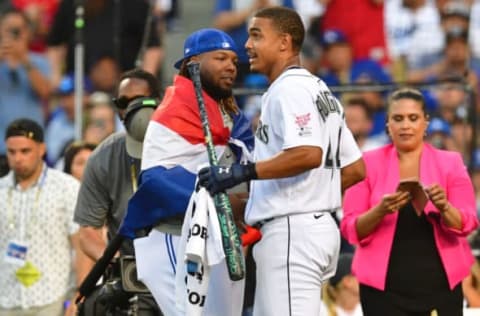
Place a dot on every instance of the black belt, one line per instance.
(259, 224)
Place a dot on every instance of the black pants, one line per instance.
(380, 303)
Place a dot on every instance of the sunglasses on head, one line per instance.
(122, 102)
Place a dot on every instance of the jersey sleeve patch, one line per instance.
(302, 122)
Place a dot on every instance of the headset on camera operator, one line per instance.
(109, 181)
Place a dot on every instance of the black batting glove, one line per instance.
(219, 178)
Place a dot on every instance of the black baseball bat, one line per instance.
(230, 237)
(90, 281)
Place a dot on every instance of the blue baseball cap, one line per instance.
(333, 36)
(369, 71)
(438, 125)
(67, 85)
(206, 40)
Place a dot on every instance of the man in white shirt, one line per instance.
(36, 221)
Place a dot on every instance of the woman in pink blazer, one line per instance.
(410, 263)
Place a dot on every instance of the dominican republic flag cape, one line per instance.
(173, 148)
(172, 152)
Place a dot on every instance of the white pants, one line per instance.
(156, 257)
(296, 254)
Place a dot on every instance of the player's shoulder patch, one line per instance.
(302, 121)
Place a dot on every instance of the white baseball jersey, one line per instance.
(299, 110)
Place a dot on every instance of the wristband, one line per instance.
(251, 171)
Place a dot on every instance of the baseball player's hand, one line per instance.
(219, 178)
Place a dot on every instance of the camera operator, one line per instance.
(24, 76)
(110, 175)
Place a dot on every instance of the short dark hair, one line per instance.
(14, 11)
(407, 93)
(141, 74)
(286, 21)
(26, 128)
(362, 103)
(72, 150)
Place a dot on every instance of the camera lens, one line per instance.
(130, 280)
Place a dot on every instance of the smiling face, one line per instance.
(218, 70)
(407, 123)
(263, 44)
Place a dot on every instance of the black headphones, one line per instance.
(135, 105)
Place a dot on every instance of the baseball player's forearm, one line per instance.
(238, 202)
(92, 241)
(290, 162)
(352, 174)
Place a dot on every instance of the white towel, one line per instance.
(156, 255)
(201, 245)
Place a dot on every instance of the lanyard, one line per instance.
(133, 175)
(10, 212)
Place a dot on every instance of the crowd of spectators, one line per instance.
(373, 44)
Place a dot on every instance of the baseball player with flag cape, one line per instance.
(173, 150)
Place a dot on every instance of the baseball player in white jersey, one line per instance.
(304, 157)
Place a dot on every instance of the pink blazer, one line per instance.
(373, 252)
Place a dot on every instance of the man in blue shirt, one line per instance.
(24, 76)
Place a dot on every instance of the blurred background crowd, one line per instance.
(362, 49)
